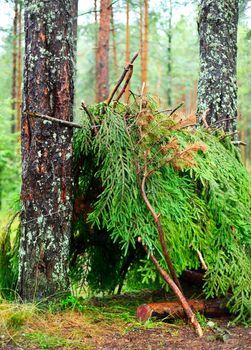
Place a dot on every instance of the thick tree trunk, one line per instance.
(217, 89)
(46, 148)
(103, 51)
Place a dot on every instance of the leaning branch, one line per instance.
(129, 75)
(122, 77)
(190, 315)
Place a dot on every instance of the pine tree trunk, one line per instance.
(14, 69)
(114, 46)
(141, 37)
(217, 88)
(46, 148)
(145, 47)
(127, 48)
(169, 57)
(103, 51)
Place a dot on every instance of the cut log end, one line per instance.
(144, 312)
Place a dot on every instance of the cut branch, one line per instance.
(203, 264)
(52, 119)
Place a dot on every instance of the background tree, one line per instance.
(103, 51)
(217, 87)
(14, 66)
(46, 149)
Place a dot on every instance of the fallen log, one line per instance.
(172, 309)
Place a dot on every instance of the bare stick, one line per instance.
(162, 111)
(204, 118)
(176, 108)
(122, 77)
(203, 264)
(91, 117)
(52, 119)
(239, 143)
(181, 298)
(129, 75)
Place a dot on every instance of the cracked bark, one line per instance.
(46, 194)
(217, 88)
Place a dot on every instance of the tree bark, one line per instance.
(217, 88)
(114, 45)
(46, 148)
(103, 51)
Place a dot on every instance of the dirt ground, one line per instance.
(166, 337)
(183, 338)
(112, 325)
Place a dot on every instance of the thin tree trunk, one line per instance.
(46, 148)
(145, 47)
(114, 46)
(217, 88)
(103, 51)
(96, 47)
(14, 70)
(127, 48)
(141, 38)
(19, 65)
(169, 55)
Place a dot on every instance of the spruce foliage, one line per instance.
(196, 183)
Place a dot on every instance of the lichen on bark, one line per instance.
(217, 87)
(46, 148)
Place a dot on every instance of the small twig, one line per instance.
(187, 126)
(88, 12)
(112, 3)
(52, 119)
(176, 108)
(203, 264)
(222, 120)
(122, 77)
(163, 111)
(204, 118)
(239, 143)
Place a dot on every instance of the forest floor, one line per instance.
(110, 324)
